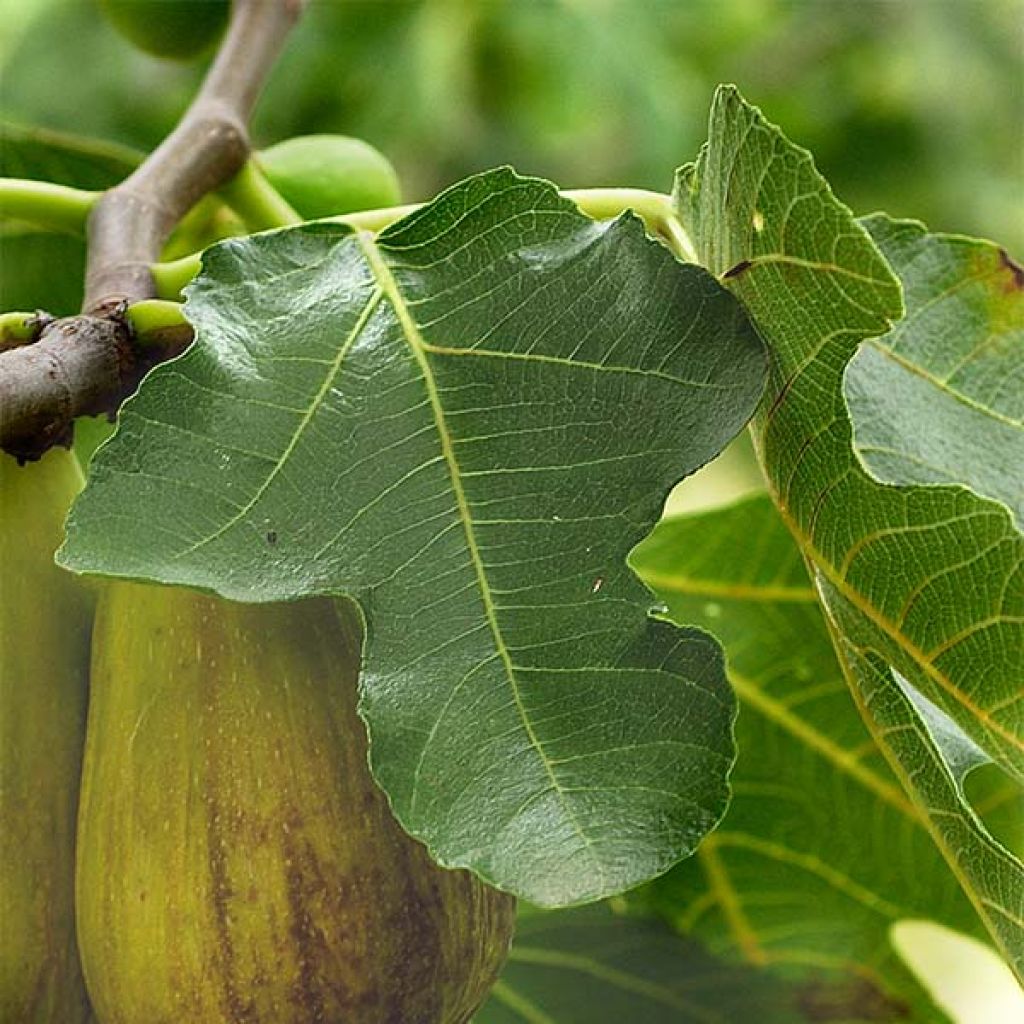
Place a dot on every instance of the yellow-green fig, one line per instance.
(45, 619)
(237, 862)
(325, 175)
(175, 29)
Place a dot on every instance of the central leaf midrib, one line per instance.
(389, 287)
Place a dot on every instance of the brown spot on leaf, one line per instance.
(1015, 269)
(822, 1001)
(737, 269)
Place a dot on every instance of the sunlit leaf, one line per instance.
(929, 580)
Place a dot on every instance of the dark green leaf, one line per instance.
(40, 270)
(587, 966)
(63, 159)
(465, 424)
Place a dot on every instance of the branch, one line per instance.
(88, 364)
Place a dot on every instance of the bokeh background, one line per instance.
(913, 106)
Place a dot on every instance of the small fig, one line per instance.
(176, 29)
(326, 175)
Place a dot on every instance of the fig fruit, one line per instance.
(325, 175)
(177, 29)
(45, 619)
(237, 863)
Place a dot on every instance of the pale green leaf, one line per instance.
(931, 578)
(933, 757)
(465, 424)
(940, 397)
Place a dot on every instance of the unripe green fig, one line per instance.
(325, 175)
(237, 863)
(45, 619)
(178, 29)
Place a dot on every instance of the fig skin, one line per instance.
(173, 29)
(326, 175)
(237, 863)
(45, 620)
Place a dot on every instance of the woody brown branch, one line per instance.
(87, 364)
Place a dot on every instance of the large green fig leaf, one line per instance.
(589, 966)
(940, 398)
(927, 579)
(820, 852)
(465, 424)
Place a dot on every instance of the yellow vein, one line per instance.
(602, 972)
(890, 629)
(728, 899)
(384, 278)
(526, 1009)
(951, 855)
(841, 758)
(307, 417)
(812, 865)
(942, 385)
(714, 588)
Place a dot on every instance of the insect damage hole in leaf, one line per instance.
(462, 424)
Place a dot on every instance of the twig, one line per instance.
(87, 364)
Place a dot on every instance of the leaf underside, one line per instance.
(464, 424)
(940, 397)
(927, 581)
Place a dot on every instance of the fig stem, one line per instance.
(259, 205)
(86, 364)
(19, 328)
(158, 323)
(45, 205)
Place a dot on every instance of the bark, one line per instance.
(88, 364)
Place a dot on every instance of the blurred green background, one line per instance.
(913, 106)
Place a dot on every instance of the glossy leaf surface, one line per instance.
(464, 424)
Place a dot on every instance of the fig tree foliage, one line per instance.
(783, 726)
